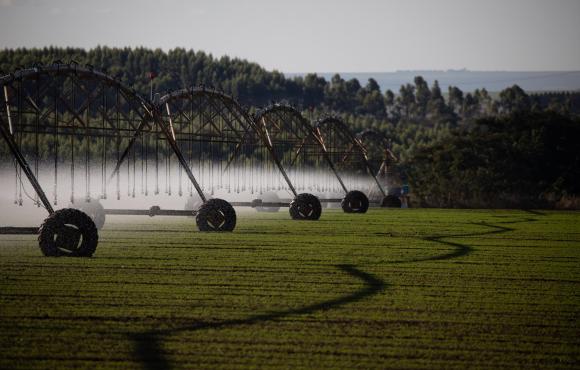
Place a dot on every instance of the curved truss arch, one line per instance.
(280, 119)
(377, 148)
(221, 105)
(347, 153)
(382, 160)
(70, 69)
(219, 141)
(298, 147)
(67, 115)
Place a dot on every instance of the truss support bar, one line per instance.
(266, 140)
(153, 211)
(24, 165)
(180, 158)
(376, 181)
(156, 211)
(318, 137)
(10, 230)
(335, 200)
(369, 169)
(283, 172)
(331, 165)
(127, 150)
(259, 203)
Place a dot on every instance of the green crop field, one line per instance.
(387, 289)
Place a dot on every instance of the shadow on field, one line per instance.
(463, 249)
(148, 345)
(460, 249)
(149, 351)
(534, 212)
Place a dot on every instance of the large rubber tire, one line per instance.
(391, 201)
(94, 209)
(355, 202)
(68, 232)
(305, 207)
(216, 215)
(269, 197)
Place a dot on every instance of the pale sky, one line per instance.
(316, 36)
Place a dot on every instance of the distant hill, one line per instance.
(470, 80)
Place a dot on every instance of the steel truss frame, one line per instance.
(74, 92)
(69, 100)
(332, 131)
(368, 136)
(64, 83)
(284, 125)
(234, 124)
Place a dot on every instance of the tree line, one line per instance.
(255, 86)
(524, 159)
(457, 148)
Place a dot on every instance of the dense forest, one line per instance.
(456, 148)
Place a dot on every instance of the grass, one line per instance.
(388, 289)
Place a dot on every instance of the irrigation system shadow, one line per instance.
(148, 345)
(534, 212)
(462, 250)
(149, 351)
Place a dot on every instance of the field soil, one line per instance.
(393, 288)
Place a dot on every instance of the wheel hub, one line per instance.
(68, 237)
(216, 219)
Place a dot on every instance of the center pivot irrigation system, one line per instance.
(84, 134)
